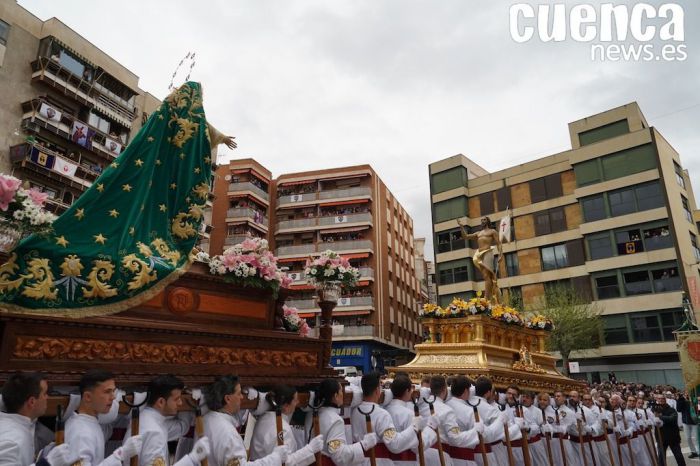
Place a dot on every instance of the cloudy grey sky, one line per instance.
(394, 83)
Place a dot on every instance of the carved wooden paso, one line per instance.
(197, 328)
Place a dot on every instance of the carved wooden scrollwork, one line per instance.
(75, 349)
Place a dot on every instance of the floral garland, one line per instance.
(480, 306)
(23, 209)
(249, 264)
(331, 267)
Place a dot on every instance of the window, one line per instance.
(4, 32)
(679, 174)
(607, 287)
(686, 209)
(542, 226)
(666, 279)
(622, 202)
(670, 320)
(486, 203)
(538, 191)
(453, 272)
(450, 209)
(645, 327)
(503, 198)
(587, 172)
(599, 246)
(629, 242)
(693, 244)
(98, 122)
(545, 188)
(445, 300)
(637, 282)
(515, 297)
(449, 179)
(451, 240)
(550, 221)
(649, 196)
(615, 329)
(555, 257)
(604, 132)
(593, 208)
(512, 268)
(657, 238)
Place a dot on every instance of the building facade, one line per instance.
(611, 217)
(67, 109)
(350, 211)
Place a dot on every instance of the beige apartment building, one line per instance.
(67, 109)
(348, 210)
(612, 217)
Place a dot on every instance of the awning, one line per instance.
(306, 315)
(294, 183)
(72, 51)
(355, 256)
(345, 177)
(250, 170)
(302, 287)
(357, 201)
(339, 313)
(292, 259)
(363, 283)
(345, 230)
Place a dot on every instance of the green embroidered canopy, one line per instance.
(131, 233)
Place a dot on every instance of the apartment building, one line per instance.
(67, 109)
(425, 271)
(611, 217)
(348, 210)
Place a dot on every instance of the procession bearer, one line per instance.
(464, 440)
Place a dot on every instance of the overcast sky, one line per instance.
(395, 83)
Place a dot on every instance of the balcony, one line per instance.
(302, 303)
(235, 239)
(332, 220)
(337, 246)
(244, 186)
(42, 160)
(246, 212)
(300, 277)
(342, 193)
(347, 331)
(34, 121)
(349, 301)
(366, 272)
(359, 191)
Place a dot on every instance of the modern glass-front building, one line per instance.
(613, 217)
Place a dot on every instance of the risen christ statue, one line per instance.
(486, 240)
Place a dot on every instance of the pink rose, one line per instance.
(38, 197)
(8, 188)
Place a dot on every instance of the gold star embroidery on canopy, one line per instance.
(99, 238)
(114, 213)
(182, 156)
(114, 165)
(187, 199)
(79, 214)
(150, 139)
(139, 162)
(162, 208)
(132, 230)
(62, 241)
(126, 187)
(197, 170)
(173, 186)
(157, 161)
(100, 187)
(207, 159)
(160, 117)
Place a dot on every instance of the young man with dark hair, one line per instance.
(389, 441)
(401, 410)
(84, 433)
(457, 422)
(494, 421)
(533, 423)
(512, 399)
(25, 397)
(563, 431)
(223, 398)
(160, 423)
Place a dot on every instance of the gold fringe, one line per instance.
(102, 309)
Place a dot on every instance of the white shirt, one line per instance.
(227, 445)
(156, 430)
(457, 422)
(336, 446)
(265, 440)
(16, 440)
(85, 436)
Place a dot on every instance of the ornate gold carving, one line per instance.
(79, 349)
(525, 363)
(447, 360)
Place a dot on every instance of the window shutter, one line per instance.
(553, 185)
(486, 203)
(557, 220)
(574, 249)
(538, 191)
(583, 286)
(503, 198)
(542, 226)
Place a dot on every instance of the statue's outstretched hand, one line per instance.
(229, 141)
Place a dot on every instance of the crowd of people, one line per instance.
(446, 422)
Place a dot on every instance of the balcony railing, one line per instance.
(300, 276)
(338, 220)
(347, 331)
(337, 246)
(248, 186)
(91, 93)
(324, 195)
(235, 239)
(352, 301)
(83, 177)
(366, 272)
(349, 192)
(246, 212)
(32, 118)
(302, 303)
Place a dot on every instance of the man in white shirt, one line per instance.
(84, 433)
(160, 423)
(494, 422)
(25, 396)
(464, 437)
